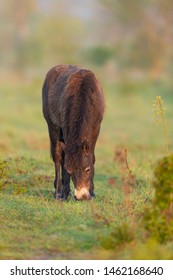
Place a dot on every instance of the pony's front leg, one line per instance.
(65, 180)
(57, 161)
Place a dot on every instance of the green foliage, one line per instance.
(163, 183)
(34, 38)
(159, 218)
(119, 235)
(138, 26)
(159, 111)
(150, 249)
(99, 55)
(3, 171)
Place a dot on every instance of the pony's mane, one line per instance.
(78, 112)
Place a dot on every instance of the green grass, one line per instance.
(35, 226)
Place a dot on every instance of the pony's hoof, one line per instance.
(57, 195)
(93, 195)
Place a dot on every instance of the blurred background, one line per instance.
(128, 44)
(123, 39)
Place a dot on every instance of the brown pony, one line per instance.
(73, 107)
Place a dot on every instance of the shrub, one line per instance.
(163, 183)
(159, 219)
(119, 235)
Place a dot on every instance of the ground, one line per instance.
(35, 226)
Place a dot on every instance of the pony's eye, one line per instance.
(87, 169)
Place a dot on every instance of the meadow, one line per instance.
(35, 226)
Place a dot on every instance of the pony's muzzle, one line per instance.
(82, 194)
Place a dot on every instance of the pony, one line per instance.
(73, 107)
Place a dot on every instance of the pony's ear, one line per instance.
(85, 147)
(63, 146)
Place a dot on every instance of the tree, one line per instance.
(143, 30)
(16, 21)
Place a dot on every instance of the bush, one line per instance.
(163, 183)
(119, 235)
(159, 219)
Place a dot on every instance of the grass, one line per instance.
(35, 226)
